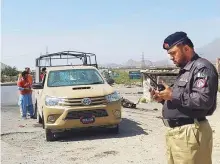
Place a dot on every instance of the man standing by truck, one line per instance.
(25, 102)
(30, 80)
(43, 73)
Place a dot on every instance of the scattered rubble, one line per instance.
(127, 103)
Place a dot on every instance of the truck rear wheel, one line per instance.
(43, 123)
(35, 110)
(37, 115)
(39, 119)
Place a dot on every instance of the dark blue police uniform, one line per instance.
(189, 135)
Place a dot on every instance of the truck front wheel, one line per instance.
(49, 135)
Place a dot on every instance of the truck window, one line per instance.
(74, 77)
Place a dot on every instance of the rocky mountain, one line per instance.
(133, 63)
(211, 51)
(110, 65)
(137, 64)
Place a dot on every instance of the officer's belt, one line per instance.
(181, 121)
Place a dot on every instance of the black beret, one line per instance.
(174, 39)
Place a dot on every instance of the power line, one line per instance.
(46, 50)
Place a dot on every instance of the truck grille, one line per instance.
(78, 101)
(83, 113)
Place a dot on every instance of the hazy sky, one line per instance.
(116, 30)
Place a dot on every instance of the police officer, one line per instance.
(187, 102)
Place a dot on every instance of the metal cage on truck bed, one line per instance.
(64, 58)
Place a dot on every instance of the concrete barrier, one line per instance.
(9, 95)
(8, 84)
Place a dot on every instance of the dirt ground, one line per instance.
(140, 141)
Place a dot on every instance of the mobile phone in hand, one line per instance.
(160, 87)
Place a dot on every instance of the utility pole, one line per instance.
(47, 61)
(46, 50)
(143, 65)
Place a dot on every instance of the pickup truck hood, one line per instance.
(80, 91)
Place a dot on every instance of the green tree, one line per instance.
(9, 71)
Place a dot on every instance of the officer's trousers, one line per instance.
(190, 144)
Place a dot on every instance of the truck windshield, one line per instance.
(74, 77)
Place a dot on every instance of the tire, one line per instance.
(43, 123)
(35, 110)
(39, 119)
(49, 135)
(37, 115)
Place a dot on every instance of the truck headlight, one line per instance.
(53, 101)
(113, 97)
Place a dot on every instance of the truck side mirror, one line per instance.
(37, 86)
(110, 81)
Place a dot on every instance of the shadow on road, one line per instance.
(127, 128)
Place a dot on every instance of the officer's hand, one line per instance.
(154, 95)
(166, 94)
